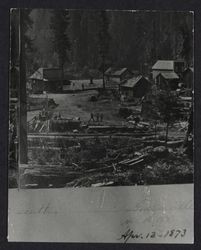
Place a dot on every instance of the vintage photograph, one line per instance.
(101, 98)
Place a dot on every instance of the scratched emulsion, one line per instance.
(152, 214)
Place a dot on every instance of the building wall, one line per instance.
(161, 83)
(155, 73)
(37, 86)
(166, 84)
(127, 92)
(137, 91)
(141, 88)
(118, 79)
(53, 86)
(115, 79)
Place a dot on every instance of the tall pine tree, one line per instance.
(61, 42)
(104, 39)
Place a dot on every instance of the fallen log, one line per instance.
(99, 169)
(175, 143)
(128, 161)
(103, 184)
(136, 163)
(135, 159)
(124, 161)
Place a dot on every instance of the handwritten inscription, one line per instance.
(43, 209)
(171, 233)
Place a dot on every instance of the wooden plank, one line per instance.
(137, 162)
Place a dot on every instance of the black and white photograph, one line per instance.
(101, 126)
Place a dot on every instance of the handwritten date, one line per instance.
(172, 233)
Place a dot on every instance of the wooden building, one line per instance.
(136, 87)
(167, 66)
(47, 79)
(117, 75)
(167, 81)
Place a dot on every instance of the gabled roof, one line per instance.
(38, 74)
(132, 82)
(108, 71)
(120, 71)
(189, 69)
(47, 74)
(169, 75)
(17, 68)
(115, 71)
(136, 72)
(163, 65)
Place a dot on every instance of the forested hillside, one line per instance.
(135, 38)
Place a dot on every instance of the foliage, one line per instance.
(121, 38)
(175, 168)
(168, 107)
(163, 106)
(103, 35)
(61, 41)
(187, 46)
(104, 38)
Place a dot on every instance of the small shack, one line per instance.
(47, 79)
(136, 87)
(117, 75)
(167, 81)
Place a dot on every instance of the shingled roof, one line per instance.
(115, 71)
(46, 74)
(163, 65)
(189, 69)
(38, 74)
(170, 75)
(130, 83)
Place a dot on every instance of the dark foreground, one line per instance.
(105, 161)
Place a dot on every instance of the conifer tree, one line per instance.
(61, 42)
(104, 39)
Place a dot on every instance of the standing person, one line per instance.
(91, 117)
(82, 86)
(43, 111)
